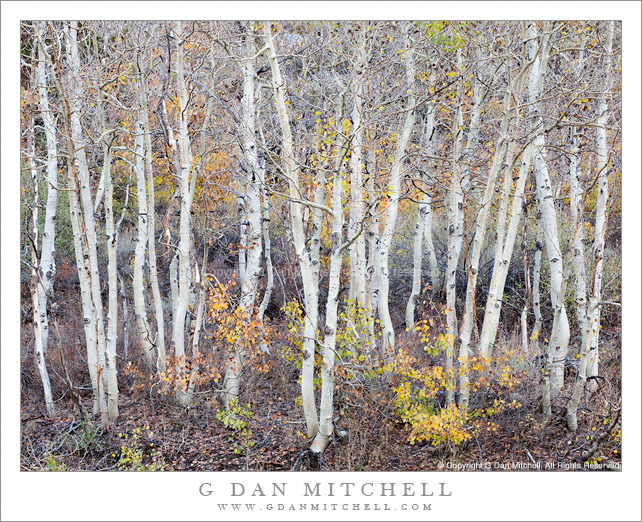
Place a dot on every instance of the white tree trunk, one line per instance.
(151, 227)
(600, 216)
(423, 227)
(506, 237)
(198, 324)
(478, 240)
(326, 424)
(418, 236)
(528, 298)
(111, 372)
(537, 309)
(388, 333)
(37, 283)
(140, 308)
(251, 215)
(455, 238)
(372, 288)
(240, 209)
(291, 173)
(47, 264)
(373, 228)
(84, 229)
(357, 203)
(576, 194)
(558, 345)
(185, 245)
(267, 252)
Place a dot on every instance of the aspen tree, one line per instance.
(36, 280)
(184, 248)
(394, 192)
(455, 235)
(423, 227)
(252, 216)
(111, 232)
(593, 315)
(47, 263)
(267, 243)
(290, 171)
(83, 227)
(326, 417)
(159, 339)
(140, 308)
(358, 260)
(506, 234)
(537, 268)
(45, 267)
(558, 344)
(478, 239)
(588, 363)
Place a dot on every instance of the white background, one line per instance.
(174, 496)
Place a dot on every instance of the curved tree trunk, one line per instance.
(388, 333)
(310, 287)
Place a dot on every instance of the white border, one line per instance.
(158, 496)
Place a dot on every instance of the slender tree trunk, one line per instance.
(602, 200)
(590, 313)
(455, 239)
(478, 240)
(388, 333)
(241, 211)
(123, 297)
(291, 173)
(198, 325)
(372, 289)
(265, 226)
(140, 307)
(558, 345)
(576, 194)
(358, 248)
(47, 264)
(252, 215)
(418, 236)
(37, 282)
(159, 341)
(326, 424)
(83, 226)
(528, 301)
(111, 372)
(423, 227)
(267, 246)
(537, 309)
(185, 245)
(506, 236)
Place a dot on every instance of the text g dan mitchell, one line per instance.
(328, 489)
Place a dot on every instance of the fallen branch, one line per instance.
(586, 455)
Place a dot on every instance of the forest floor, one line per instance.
(155, 434)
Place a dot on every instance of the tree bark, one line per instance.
(37, 283)
(358, 260)
(477, 243)
(455, 238)
(140, 307)
(47, 264)
(252, 216)
(423, 227)
(291, 173)
(388, 333)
